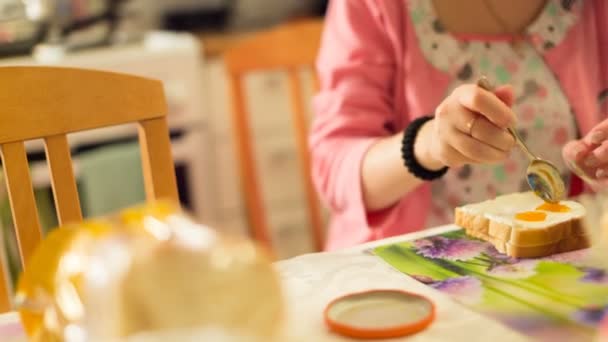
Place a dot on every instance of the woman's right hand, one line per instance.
(446, 140)
(469, 128)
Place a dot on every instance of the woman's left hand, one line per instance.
(591, 152)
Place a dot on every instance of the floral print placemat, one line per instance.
(557, 298)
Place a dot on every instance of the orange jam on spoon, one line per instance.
(531, 216)
(553, 207)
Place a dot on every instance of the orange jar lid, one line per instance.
(377, 314)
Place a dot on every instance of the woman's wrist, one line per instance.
(422, 150)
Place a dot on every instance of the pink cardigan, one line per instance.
(374, 79)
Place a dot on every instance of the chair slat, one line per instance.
(300, 125)
(256, 212)
(157, 161)
(63, 181)
(21, 196)
(5, 288)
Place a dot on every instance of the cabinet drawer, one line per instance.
(216, 97)
(291, 232)
(279, 170)
(268, 102)
(228, 191)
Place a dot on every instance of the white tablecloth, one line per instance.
(311, 281)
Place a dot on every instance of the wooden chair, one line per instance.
(288, 47)
(48, 103)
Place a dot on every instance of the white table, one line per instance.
(311, 281)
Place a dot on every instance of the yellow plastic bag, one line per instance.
(147, 270)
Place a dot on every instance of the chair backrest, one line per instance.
(48, 103)
(288, 47)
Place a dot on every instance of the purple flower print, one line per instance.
(516, 270)
(572, 258)
(498, 257)
(439, 247)
(526, 323)
(540, 328)
(594, 275)
(465, 289)
(591, 316)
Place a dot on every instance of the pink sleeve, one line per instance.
(601, 11)
(356, 69)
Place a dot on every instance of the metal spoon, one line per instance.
(542, 176)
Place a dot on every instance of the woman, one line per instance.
(403, 135)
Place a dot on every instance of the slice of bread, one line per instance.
(495, 221)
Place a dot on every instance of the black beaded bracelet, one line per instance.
(407, 152)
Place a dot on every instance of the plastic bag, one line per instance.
(149, 270)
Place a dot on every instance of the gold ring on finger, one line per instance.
(470, 125)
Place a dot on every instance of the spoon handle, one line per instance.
(521, 144)
(483, 83)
